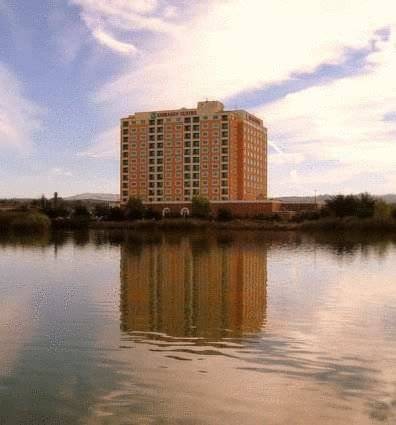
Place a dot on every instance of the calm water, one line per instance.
(203, 329)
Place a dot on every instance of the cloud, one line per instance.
(341, 122)
(19, 117)
(225, 47)
(104, 18)
(59, 171)
(105, 146)
(109, 41)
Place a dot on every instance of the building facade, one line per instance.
(172, 156)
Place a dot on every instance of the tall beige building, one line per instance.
(174, 155)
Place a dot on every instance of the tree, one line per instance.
(342, 206)
(115, 214)
(81, 211)
(365, 206)
(362, 206)
(200, 207)
(134, 209)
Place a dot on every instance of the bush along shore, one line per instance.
(24, 222)
(361, 213)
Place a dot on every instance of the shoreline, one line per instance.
(348, 224)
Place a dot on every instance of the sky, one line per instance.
(320, 74)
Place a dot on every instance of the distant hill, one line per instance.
(107, 197)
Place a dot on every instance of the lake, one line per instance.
(202, 328)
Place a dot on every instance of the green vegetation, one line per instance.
(134, 209)
(200, 207)
(361, 206)
(23, 222)
(340, 213)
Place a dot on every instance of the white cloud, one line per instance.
(19, 117)
(227, 46)
(341, 122)
(104, 18)
(59, 171)
(109, 41)
(106, 145)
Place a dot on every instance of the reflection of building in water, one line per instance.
(188, 287)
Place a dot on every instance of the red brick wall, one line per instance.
(238, 209)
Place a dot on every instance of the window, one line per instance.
(195, 119)
(187, 119)
(224, 117)
(125, 131)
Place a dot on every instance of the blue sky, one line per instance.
(320, 74)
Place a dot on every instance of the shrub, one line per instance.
(81, 211)
(342, 206)
(307, 215)
(134, 209)
(115, 214)
(152, 214)
(200, 207)
(362, 206)
(365, 206)
(268, 217)
(29, 222)
(224, 214)
(382, 211)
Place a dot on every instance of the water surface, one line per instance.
(113, 328)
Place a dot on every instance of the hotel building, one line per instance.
(174, 155)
